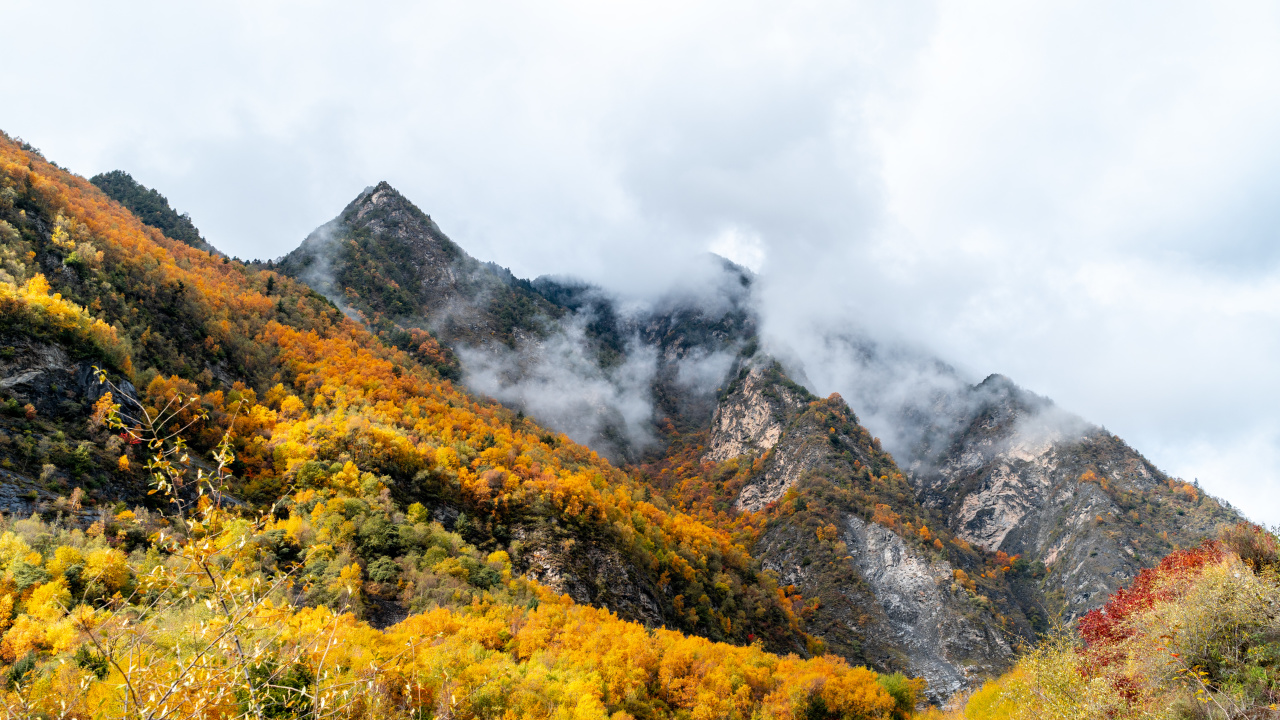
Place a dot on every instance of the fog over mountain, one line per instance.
(1078, 196)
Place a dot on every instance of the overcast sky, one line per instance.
(1083, 197)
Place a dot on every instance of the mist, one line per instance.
(599, 375)
(318, 273)
(559, 382)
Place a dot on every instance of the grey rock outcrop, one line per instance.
(1023, 477)
(44, 375)
(942, 639)
(880, 600)
(752, 421)
(591, 575)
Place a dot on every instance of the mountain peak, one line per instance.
(391, 202)
(381, 193)
(387, 259)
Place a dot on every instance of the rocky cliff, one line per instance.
(881, 595)
(46, 397)
(1021, 476)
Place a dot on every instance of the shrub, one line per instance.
(1258, 548)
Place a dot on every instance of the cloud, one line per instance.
(560, 382)
(741, 245)
(1082, 196)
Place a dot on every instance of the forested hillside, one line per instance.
(267, 511)
(261, 490)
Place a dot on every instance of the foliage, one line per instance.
(209, 629)
(1197, 636)
(30, 310)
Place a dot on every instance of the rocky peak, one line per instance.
(390, 218)
(750, 420)
(383, 208)
(880, 599)
(1021, 476)
(389, 263)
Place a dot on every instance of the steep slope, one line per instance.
(843, 528)
(1018, 475)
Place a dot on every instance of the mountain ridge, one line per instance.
(804, 531)
(1008, 584)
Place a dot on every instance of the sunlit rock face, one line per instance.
(751, 421)
(879, 599)
(929, 622)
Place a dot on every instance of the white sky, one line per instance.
(1081, 196)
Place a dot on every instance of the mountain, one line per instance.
(841, 526)
(1034, 516)
(635, 507)
(267, 504)
(1021, 476)
(387, 260)
(557, 345)
(1005, 514)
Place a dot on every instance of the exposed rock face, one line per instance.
(62, 390)
(886, 605)
(929, 625)
(44, 375)
(786, 468)
(764, 413)
(590, 574)
(1025, 478)
(20, 496)
(880, 600)
(751, 421)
